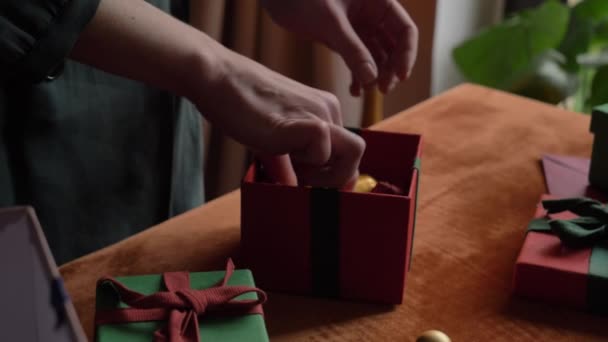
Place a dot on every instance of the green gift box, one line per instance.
(205, 306)
(598, 170)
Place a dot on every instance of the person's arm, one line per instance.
(296, 130)
(136, 40)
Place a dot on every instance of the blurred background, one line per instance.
(548, 50)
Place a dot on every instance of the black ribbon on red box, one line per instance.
(325, 241)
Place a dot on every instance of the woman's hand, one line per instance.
(376, 38)
(294, 129)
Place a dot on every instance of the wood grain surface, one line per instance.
(481, 179)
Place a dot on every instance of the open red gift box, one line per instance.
(334, 243)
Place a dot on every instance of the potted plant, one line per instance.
(553, 53)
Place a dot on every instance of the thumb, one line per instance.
(354, 52)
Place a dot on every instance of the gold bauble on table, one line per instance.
(433, 336)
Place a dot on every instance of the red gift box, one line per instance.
(548, 270)
(333, 243)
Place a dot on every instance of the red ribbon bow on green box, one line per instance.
(180, 305)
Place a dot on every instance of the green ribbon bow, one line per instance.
(584, 231)
(587, 230)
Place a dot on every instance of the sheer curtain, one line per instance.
(456, 22)
(243, 26)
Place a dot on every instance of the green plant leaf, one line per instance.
(599, 87)
(595, 10)
(594, 14)
(497, 53)
(577, 40)
(601, 32)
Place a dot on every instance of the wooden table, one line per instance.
(481, 180)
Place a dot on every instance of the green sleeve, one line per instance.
(37, 35)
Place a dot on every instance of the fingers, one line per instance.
(307, 141)
(391, 37)
(319, 154)
(381, 55)
(279, 169)
(341, 169)
(332, 105)
(350, 185)
(312, 148)
(403, 33)
(354, 52)
(326, 107)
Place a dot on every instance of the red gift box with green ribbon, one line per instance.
(181, 306)
(598, 170)
(564, 258)
(334, 243)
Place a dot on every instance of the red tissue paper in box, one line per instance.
(333, 243)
